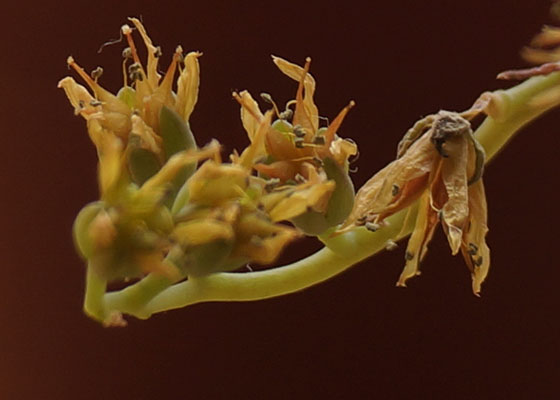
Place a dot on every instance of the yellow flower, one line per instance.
(136, 108)
(295, 138)
(442, 168)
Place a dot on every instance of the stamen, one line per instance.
(83, 74)
(268, 98)
(299, 131)
(127, 31)
(333, 128)
(372, 226)
(391, 245)
(96, 73)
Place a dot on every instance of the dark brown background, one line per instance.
(356, 336)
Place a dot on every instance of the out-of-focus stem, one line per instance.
(94, 298)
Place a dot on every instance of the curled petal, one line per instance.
(342, 149)
(306, 113)
(187, 86)
(474, 249)
(426, 222)
(397, 185)
(455, 212)
(78, 96)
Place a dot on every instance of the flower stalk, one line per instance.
(180, 228)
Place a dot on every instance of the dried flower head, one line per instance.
(439, 162)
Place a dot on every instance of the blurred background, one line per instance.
(355, 336)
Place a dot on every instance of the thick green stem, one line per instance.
(342, 251)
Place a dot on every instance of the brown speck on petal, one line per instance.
(475, 235)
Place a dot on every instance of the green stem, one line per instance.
(94, 301)
(342, 251)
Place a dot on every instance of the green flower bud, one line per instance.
(340, 204)
(80, 229)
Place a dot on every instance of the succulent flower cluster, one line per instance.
(161, 212)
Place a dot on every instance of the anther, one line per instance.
(127, 53)
(286, 114)
(372, 226)
(319, 140)
(271, 184)
(390, 245)
(158, 53)
(299, 131)
(299, 178)
(96, 73)
(299, 143)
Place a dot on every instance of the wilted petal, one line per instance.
(474, 249)
(426, 222)
(454, 176)
(397, 185)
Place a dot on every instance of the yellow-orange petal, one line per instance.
(306, 113)
(187, 85)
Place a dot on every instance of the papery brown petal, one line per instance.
(454, 176)
(387, 192)
(426, 222)
(474, 249)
